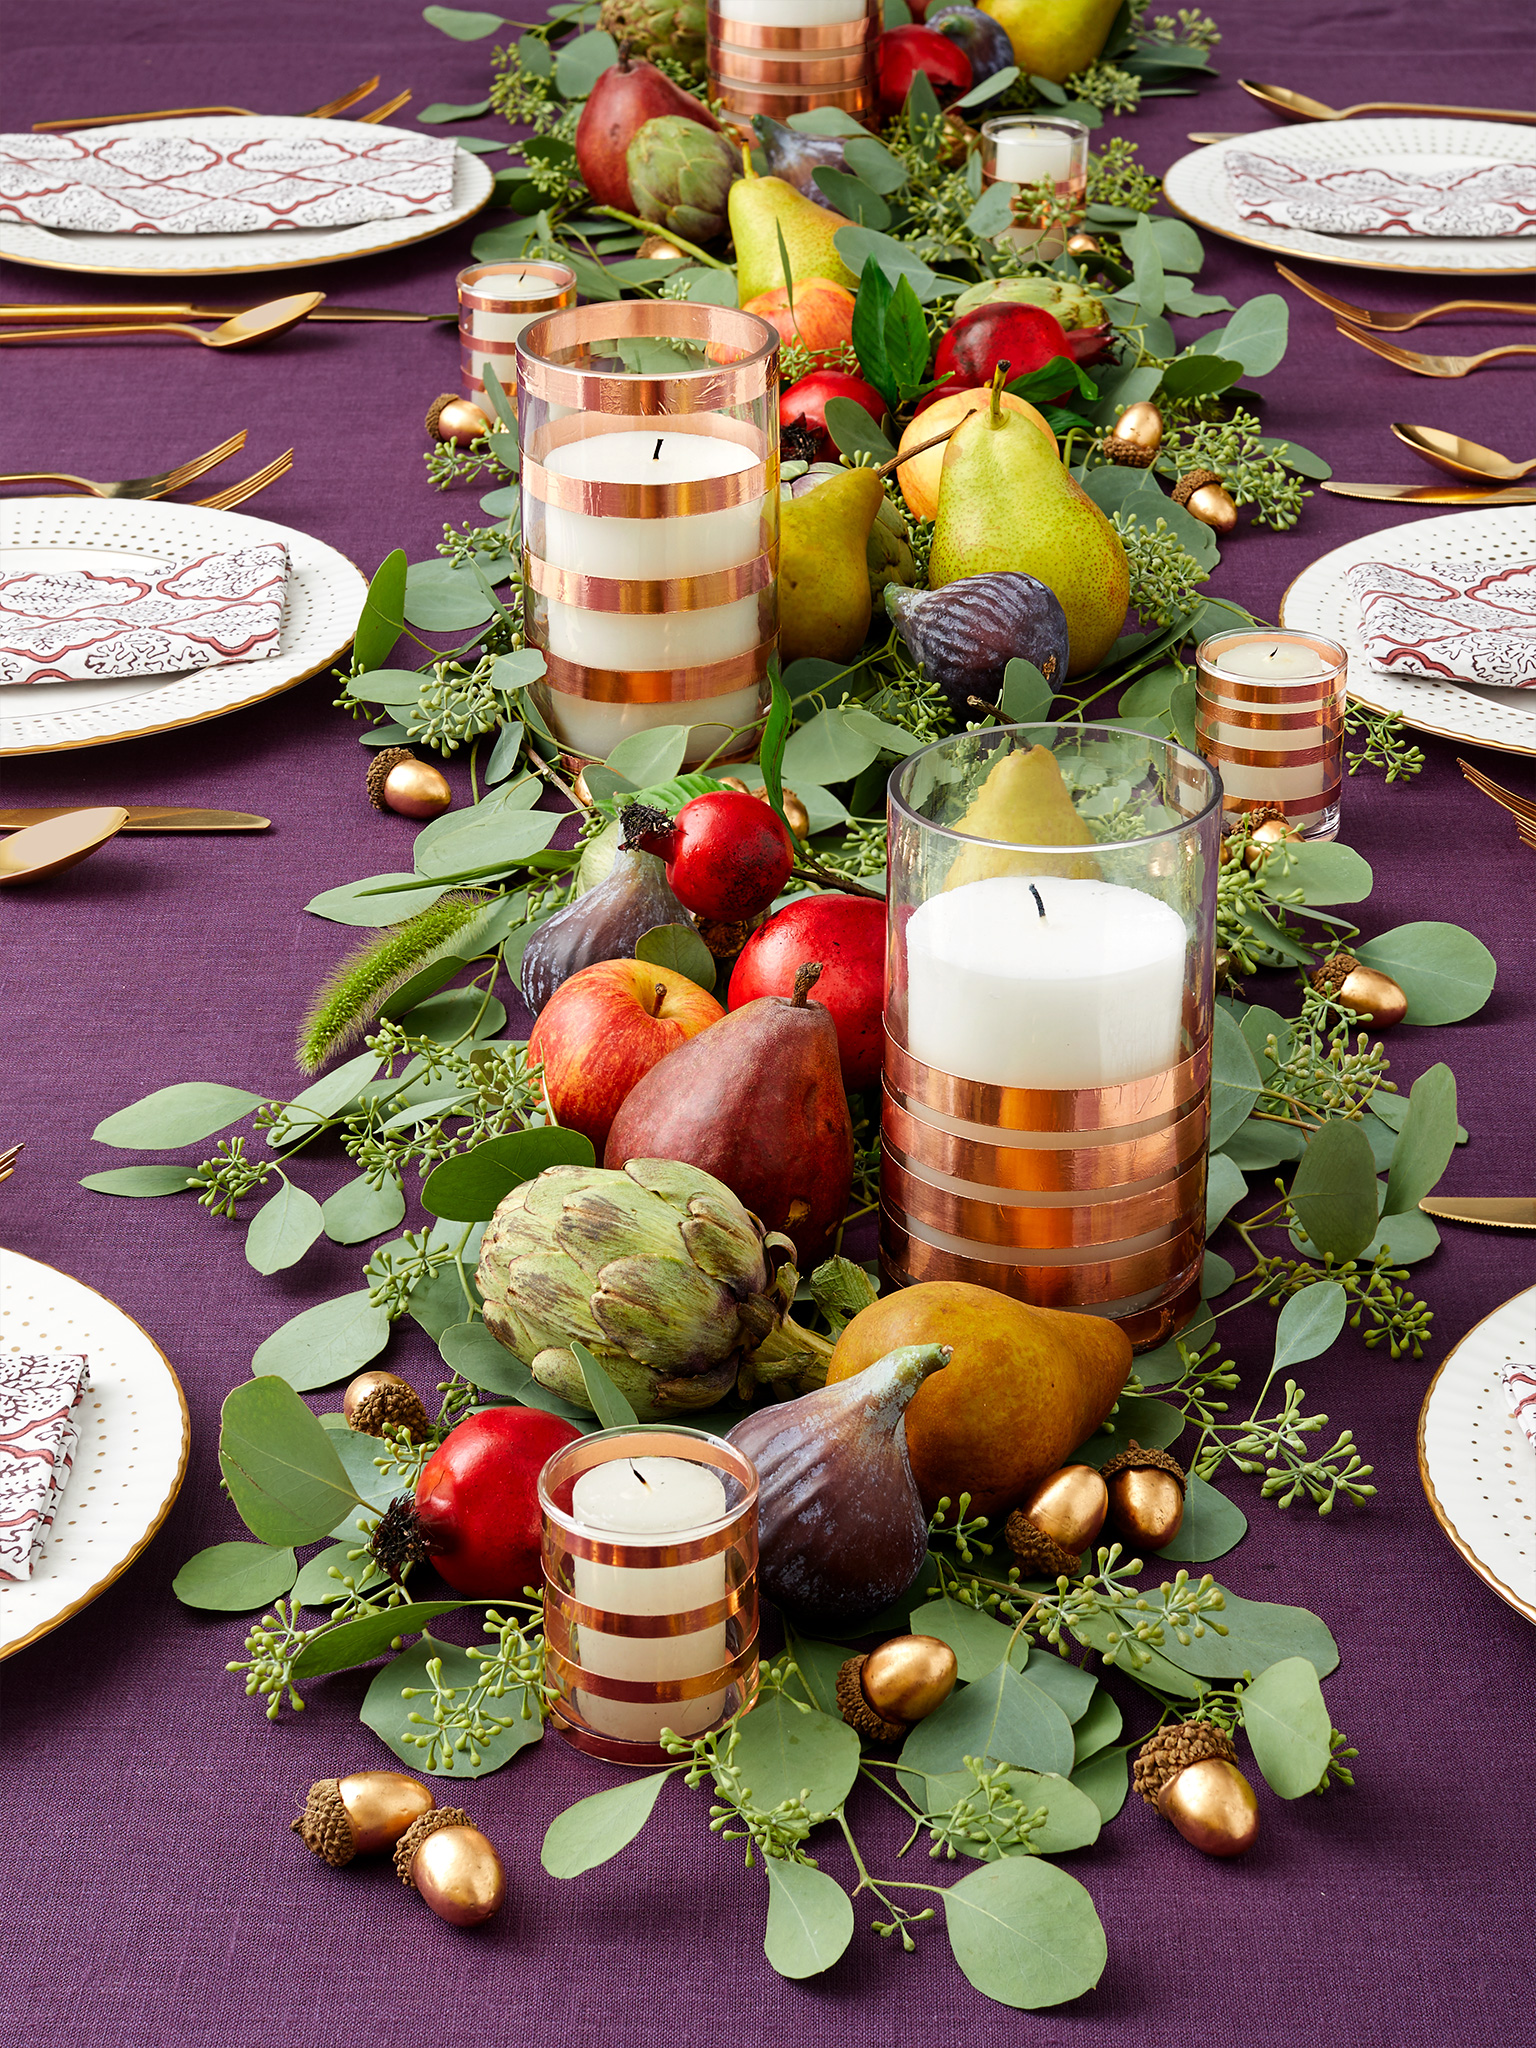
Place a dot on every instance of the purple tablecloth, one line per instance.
(153, 1893)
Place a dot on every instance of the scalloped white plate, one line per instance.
(1197, 187)
(238, 255)
(1317, 602)
(1477, 1466)
(68, 535)
(132, 1455)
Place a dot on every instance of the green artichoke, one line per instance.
(659, 28)
(680, 173)
(659, 1272)
(1072, 304)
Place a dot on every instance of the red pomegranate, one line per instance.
(477, 1500)
(804, 406)
(727, 854)
(847, 935)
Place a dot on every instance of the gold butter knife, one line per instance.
(1506, 1212)
(1432, 494)
(98, 311)
(145, 818)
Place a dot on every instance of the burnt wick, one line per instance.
(1039, 905)
(657, 456)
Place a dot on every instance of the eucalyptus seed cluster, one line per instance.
(1164, 574)
(229, 1175)
(1251, 473)
(990, 1820)
(458, 1720)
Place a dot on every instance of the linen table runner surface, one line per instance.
(219, 177)
(81, 627)
(1460, 622)
(1447, 196)
(40, 1398)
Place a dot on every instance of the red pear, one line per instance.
(625, 97)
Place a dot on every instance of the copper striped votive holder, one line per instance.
(654, 1631)
(1269, 711)
(1049, 1011)
(650, 521)
(783, 57)
(496, 302)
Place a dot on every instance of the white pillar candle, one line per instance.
(1026, 155)
(660, 1500)
(1089, 995)
(791, 13)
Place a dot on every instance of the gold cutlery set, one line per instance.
(168, 481)
(1521, 808)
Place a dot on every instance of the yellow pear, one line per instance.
(1023, 800)
(824, 600)
(1053, 38)
(762, 208)
(919, 474)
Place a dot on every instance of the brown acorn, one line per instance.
(1189, 1773)
(376, 1401)
(398, 781)
(1366, 990)
(883, 1695)
(1146, 1496)
(456, 419)
(1070, 1506)
(361, 1813)
(456, 1869)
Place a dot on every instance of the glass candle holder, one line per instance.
(496, 302)
(783, 57)
(650, 1588)
(1269, 711)
(1026, 150)
(650, 520)
(1048, 1020)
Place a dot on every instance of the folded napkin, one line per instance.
(1460, 622)
(222, 607)
(222, 178)
(1519, 1384)
(39, 1400)
(1469, 200)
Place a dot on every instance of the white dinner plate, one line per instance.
(1317, 602)
(1478, 1468)
(1197, 187)
(66, 535)
(132, 1454)
(237, 255)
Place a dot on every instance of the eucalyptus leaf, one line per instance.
(437, 1304)
(348, 1643)
(1216, 1275)
(315, 1587)
(509, 744)
(827, 749)
(810, 1918)
(1288, 1727)
(1199, 376)
(1106, 1778)
(391, 1716)
(283, 1228)
(234, 1578)
(1099, 1726)
(1026, 695)
(989, 88)
(1154, 1425)
(383, 614)
(979, 1642)
(323, 1099)
(182, 1114)
(1408, 1237)
(854, 432)
(322, 1345)
(472, 1186)
(784, 1752)
(872, 162)
(595, 1830)
(1324, 871)
(652, 756)
(610, 1407)
(445, 597)
(1212, 1525)
(1072, 1819)
(1425, 1142)
(679, 947)
(286, 1482)
(818, 1665)
(463, 24)
(502, 837)
(352, 903)
(441, 111)
(1334, 1190)
(992, 212)
(580, 63)
(140, 1180)
(1157, 1368)
(1258, 1633)
(1025, 1933)
(1142, 252)
(1002, 1716)
(1255, 1146)
(851, 197)
(1255, 337)
(856, 245)
(1225, 1187)
(1158, 1671)
(357, 1211)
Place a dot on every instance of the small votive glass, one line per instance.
(1026, 151)
(1269, 712)
(496, 302)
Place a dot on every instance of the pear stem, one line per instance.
(921, 449)
(806, 978)
(649, 227)
(999, 376)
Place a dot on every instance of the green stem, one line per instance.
(649, 227)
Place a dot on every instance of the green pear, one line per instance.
(1053, 38)
(824, 600)
(760, 209)
(1024, 800)
(1007, 502)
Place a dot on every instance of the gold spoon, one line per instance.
(1300, 107)
(49, 849)
(1461, 458)
(260, 323)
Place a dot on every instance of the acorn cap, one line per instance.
(1171, 1750)
(1129, 454)
(857, 1711)
(435, 410)
(378, 772)
(1334, 972)
(1040, 1556)
(391, 1407)
(1134, 1459)
(417, 1833)
(324, 1826)
(1187, 486)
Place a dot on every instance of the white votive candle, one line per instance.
(791, 13)
(1087, 995)
(1026, 155)
(661, 1500)
(1280, 660)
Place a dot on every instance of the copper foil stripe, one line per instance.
(855, 100)
(574, 1678)
(601, 500)
(657, 685)
(1048, 1109)
(632, 1554)
(1323, 689)
(1322, 717)
(759, 35)
(553, 273)
(1107, 1228)
(657, 1627)
(472, 345)
(1047, 1173)
(1075, 1280)
(1269, 757)
(747, 370)
(732, 68)
(646, 596)
(1288, 807)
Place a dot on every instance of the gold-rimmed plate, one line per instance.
(239, 255)
(131, 1458)
(1477, 1466)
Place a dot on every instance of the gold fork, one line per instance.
(331, 107)
(159, 486)
(389, 107)
(1522, 808)
(1432, 366)
(225, 501)
(1395, 323)
(9, 1157)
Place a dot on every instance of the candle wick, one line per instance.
(1039, 905)
(640, 1476)
(656, 455)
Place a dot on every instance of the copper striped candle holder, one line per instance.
(1278, 744)
(773, 64)
(491, 319)
(1046, 1095)
(654, 603)
(629, 1652)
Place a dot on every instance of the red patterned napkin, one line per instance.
(1469, 201)
(222, 607)
(222, 178)
(1519, 1384)
(39, 1400)
(1460, 622)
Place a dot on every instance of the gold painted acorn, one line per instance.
(1204, 497)
(1082, 244)
(656, 247)
(794, 811)
(456, 419)
(1146, 1496)
(376, 1401)
(883, 1695)
(1069, 1505)
(1189, 1773)
(456, 1869)
(398, 781)
(1137, 436)
(361, 1813)
(1366, 990)
(1267, 829)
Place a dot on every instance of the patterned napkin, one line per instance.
(1519, 1384)
(39, 1398)
(221, 178)
(1469, 202)
(1460, 622)
(79, 628)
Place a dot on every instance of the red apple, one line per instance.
(804, 405)
(820, 320)
(847, 935)
(604, 1030)
(1026, 338)
(903, 52)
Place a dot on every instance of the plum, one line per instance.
(983, 40)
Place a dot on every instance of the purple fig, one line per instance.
(964, 635)
(983, 40)
(796, 158)
(603, 923)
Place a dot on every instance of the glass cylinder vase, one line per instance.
(496, 302)
(650, 1588)
(1049, 1001)
(1025, 151)
(1269, 711)
(650, 521)
(783, 57)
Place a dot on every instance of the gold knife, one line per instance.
(1432, 494)
(1505, 1212)
(146, 818)
(184, 312)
